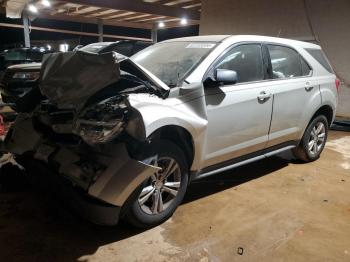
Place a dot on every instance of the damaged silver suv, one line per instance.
(130, 134)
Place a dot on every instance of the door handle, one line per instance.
(263, 97)
(308, 87)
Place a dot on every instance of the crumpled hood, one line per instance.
(70, 79)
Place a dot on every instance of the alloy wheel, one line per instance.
(162, 187)
(317, 138)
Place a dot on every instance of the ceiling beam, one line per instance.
(94, 12)
(74, 32)
(189, 3)
(141, 7)
(80, 19)
(177, 24)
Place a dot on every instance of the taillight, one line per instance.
(337, 84)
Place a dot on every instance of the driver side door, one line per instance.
(239, 115)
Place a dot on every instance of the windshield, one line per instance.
(171, 62)
(19, 55)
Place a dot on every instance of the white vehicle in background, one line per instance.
(132, 133)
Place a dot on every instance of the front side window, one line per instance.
(287, 63)
(246, 60)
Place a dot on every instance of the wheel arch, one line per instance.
(327, 111)
(178, 135)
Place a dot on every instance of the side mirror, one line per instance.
(226, 76)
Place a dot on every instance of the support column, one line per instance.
(154, 33)
(100, 30)
(26, 29)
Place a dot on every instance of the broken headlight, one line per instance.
(30, 76)
(102, 122)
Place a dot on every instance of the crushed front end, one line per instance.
(77, 132)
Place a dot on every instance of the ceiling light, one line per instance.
(46, 3)
(161, 25)
(183, 21)
(33, 9)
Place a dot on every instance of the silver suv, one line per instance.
(132, 133)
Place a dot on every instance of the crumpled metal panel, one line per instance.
(70, 79)
(123, 175)
(22, 136)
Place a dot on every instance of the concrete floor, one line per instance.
(343, 110)
(273, 210)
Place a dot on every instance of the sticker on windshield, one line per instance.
(201, 45)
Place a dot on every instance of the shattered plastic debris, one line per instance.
(9, 159)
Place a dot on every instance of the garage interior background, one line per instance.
(325, 22)
(322, 21)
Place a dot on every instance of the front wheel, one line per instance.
(313, 141)
(159, 196)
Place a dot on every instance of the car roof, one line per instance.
(202, 38)
(245, 38)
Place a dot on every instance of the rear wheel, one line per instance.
(159, 196)
(314, 140)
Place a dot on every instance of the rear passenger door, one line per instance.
(295, 92)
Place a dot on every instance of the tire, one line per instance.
(312, 144)
(141, 209)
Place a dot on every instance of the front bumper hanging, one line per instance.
(106, 172)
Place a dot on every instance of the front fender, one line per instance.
(156, 113)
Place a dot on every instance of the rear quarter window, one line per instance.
(321, 58)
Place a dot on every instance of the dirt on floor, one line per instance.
(273, 210)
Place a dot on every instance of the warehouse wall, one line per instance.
(324, 21)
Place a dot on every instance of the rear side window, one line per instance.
(246, 60)
(287, 63)
(305, 68)
(321, 58)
